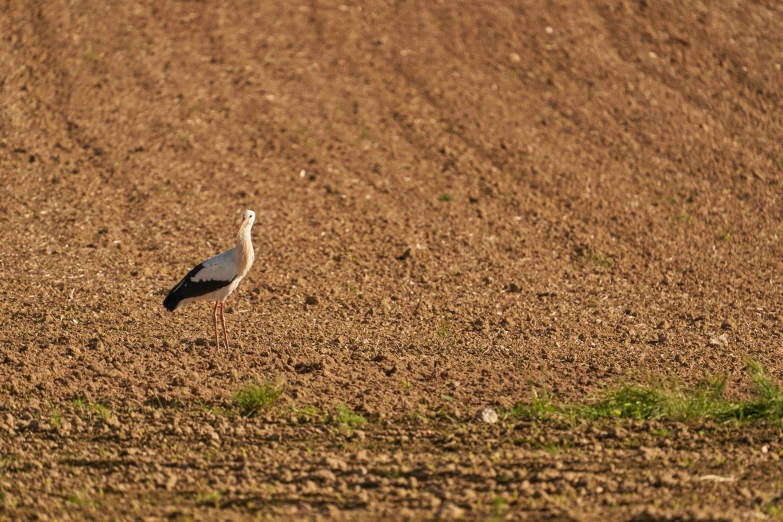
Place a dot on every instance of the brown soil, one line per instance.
(481, 198)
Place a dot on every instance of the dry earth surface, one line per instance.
(458, 202)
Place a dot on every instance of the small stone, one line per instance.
(618, 432)
(488, 415)
(513, 287)
(64, 428)
(764, 449)
(449, 511)
(33, 425)
(721, 340)
(663, 325)
(324, 475)
(515, 57)
(335, 464)
(311, 300)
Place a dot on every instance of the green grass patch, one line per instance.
(346, 419)
(444, 329)
(82, 500)
(212, 498)
(255, 397)
(542, 407)
(445, 197)
(669, 401)
(216, 410)
(499, 507)
(307, 411)
(91, 56)
(83, 406)
(102, 411)
(600, 259)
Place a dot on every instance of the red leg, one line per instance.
(214, 320)
(223, 322)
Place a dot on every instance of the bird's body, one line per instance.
(212, 280)
(216, 278)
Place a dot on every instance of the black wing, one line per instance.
(188, 288)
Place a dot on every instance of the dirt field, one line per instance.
(478, 199)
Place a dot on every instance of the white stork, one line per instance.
(217, 277)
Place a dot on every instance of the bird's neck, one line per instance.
(244, 250)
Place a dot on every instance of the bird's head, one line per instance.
(248, 217)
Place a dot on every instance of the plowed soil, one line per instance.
(457, 203)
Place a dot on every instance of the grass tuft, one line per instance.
(348, 420)
(541, 407)
(255, 397)
(102, 411)
(91, 56)
(670, 401)
(307, 411)
(600, 259)
(210, 499)
(768, 403)
(664, 401)
(445, 197)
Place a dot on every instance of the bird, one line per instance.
(216, 278)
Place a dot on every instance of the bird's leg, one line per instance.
(214, 321)
(223, 322)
